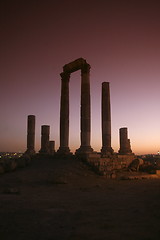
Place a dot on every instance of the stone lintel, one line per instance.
(75, 65)
(65, 75)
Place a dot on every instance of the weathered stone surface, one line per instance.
(75, 65)
(125, 147)
(158, 172)
(78, 64)
(109, 165)
(31, 135)
(135, 164)
(45, 131)
(64, 115)
(52, 147)
(106, 121)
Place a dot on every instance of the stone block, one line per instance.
(158, 172)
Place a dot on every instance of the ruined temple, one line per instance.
(105, 161)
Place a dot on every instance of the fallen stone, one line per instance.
(135, 164)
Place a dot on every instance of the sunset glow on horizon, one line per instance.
(121, 42)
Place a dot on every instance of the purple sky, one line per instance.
(121, 42)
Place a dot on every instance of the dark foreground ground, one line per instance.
(63, 199)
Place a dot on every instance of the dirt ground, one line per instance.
(63, 199)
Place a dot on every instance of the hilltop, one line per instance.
(64, 199)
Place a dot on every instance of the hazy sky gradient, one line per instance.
(121, 42)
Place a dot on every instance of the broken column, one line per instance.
(106, 121)
(64, 114)
(30, 135)
(85, 111)
(52, 147)
(125, 147)
(44, 139)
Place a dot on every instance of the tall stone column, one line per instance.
(106, 121)
(85, 111)
(30, 135)
(125, 147)
(45, 130)
(64, 114)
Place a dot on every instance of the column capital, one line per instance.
(65, 76)
(85, 68)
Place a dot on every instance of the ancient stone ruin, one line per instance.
(106, 121)
(125, 147)
(45, 132)
(31, 135)
(79, 64)
(51, 147)
(106, 161)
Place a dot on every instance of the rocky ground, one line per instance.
(54, 199)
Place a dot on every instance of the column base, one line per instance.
(125, 152)
(30, 152)
(43, 152)
(106, 151)
(84, 150)
(63, 151)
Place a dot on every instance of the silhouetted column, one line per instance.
(85, 111)
(52, 147)
(45, 129)
(30, 135)
(64, 114)
(106, 121)
(125, 147)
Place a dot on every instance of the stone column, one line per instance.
(85, 111)
(124, 141)
(52, 147)
(64, 114)
(30, 135)
(45, 129)
(106, 121)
